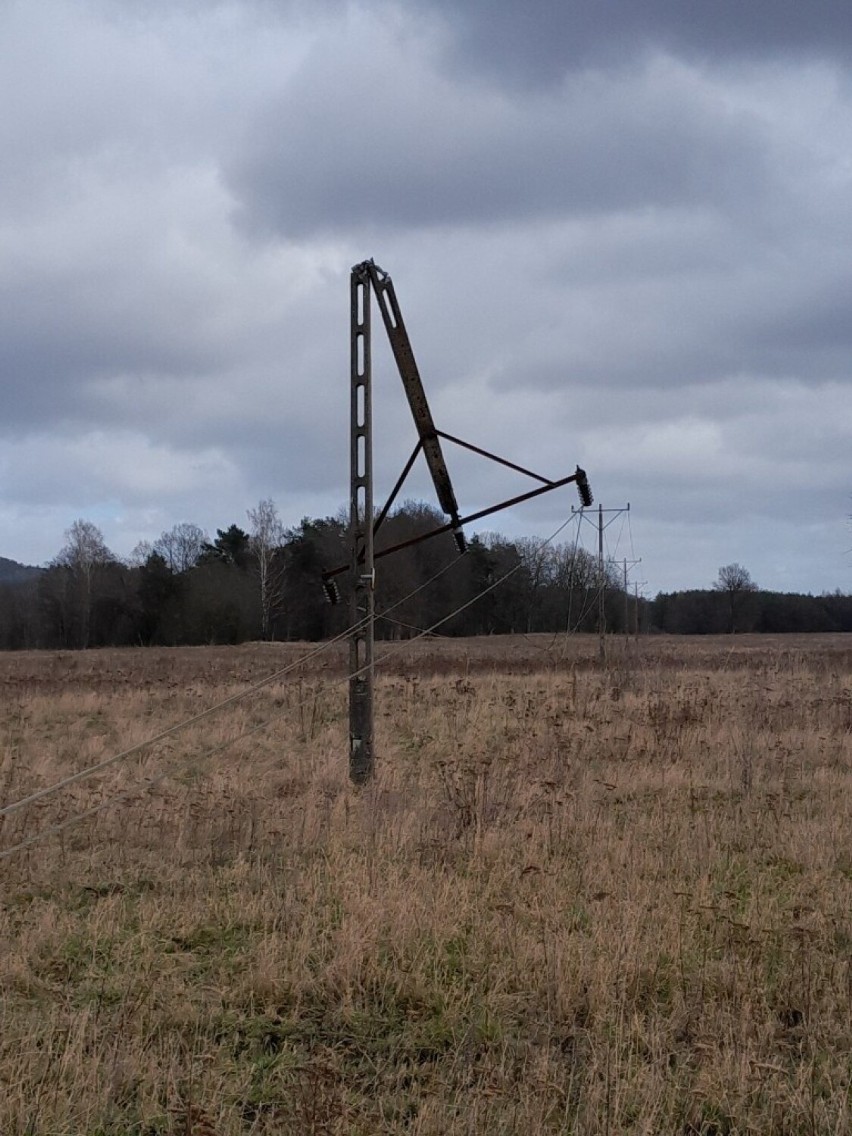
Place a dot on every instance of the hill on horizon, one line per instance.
(11, 572)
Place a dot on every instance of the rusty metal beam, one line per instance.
(413, 385)
(400, 481)
(579, 476)
(493, 457)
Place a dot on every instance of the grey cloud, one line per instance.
(811, 331)
(538, 41)
(728, 303)
(641, 267)
(330, 156)
(142, 311)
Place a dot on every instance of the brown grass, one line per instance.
(575, 899)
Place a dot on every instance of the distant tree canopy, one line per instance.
(266, 582)
(736, 585)
(182, 546)
(736, 604)
(734, 578)
(231, 546)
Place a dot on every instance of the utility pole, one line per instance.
(601, 589)
(366, 281)
(601, 526)
(361, 533)
(629, 564)
(626, 605)
(636, 611)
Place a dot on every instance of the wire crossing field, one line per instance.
(574, 900)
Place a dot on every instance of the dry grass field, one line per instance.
(576, 899)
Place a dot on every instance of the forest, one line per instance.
(266, 583)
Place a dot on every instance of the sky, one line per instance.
(620, 234)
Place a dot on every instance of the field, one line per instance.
(576, 898)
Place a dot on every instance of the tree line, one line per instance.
(735, 604)
(265, 581)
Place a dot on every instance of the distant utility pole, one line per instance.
(629, 564)
(601, 589)
(601, 526)
(636, 601)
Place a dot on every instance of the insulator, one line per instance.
(332, 592)
(583, 488)
(458, 537)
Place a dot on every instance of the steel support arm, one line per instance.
(413, 384)
(579, 476)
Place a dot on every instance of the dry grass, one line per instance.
(574, 900)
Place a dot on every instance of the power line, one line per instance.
(61, 826)
(149, 784)
(83, 774)
(474, 599)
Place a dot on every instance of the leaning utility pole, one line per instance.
(361, 532)
(368, 280)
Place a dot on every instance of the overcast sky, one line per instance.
(620, 233)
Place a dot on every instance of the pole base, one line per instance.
(360, 761)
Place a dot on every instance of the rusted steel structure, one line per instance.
(367, 278)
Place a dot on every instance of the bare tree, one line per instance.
(537, 558)
(141, 552)
(576, 568)
(83, 555)
(266, 539)
(734, 578)
(736, 584)
(182, 546)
